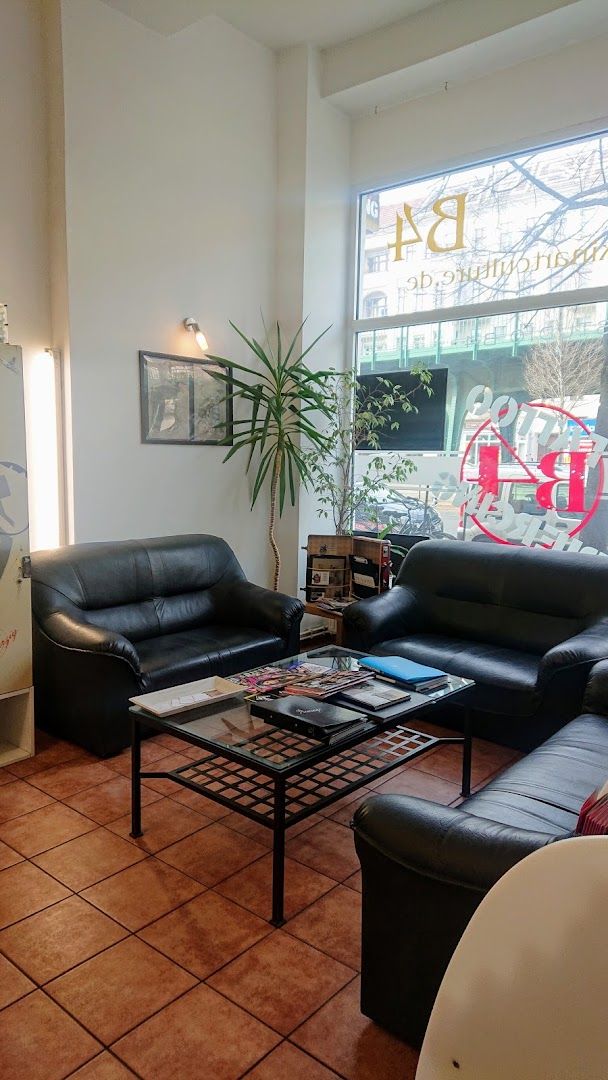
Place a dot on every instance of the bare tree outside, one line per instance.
(565, 371)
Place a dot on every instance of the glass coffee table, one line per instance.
(277, 778)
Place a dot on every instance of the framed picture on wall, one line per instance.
(181, 402)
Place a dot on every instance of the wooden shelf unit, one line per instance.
(360, 558)
(16, 726)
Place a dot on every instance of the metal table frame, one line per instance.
(277, 814)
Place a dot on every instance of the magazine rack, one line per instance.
(340, 569)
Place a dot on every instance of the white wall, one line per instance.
(313, 231)
(170, 200)
(23, 176)
(24, 284)
(537, 101)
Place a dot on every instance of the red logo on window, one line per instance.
(519, 501)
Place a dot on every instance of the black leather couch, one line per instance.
(526, 625)
(426, 867)
(112, 620)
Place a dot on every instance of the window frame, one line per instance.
(510, 305)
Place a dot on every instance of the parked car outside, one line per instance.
(397, 513)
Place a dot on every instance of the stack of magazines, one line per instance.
(327, 684)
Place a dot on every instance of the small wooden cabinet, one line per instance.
(16, 692)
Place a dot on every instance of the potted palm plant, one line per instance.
(283, 401)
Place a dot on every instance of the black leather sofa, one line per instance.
(526, 625)
(112, 620)
(426, 867)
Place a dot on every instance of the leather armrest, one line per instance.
(583, 649)
(443, 842)
(381, 618)
(251, 605)
(596, 694)
(69, 633)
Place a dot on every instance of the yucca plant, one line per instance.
(280, 397)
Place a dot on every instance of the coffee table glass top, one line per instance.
(230, 725)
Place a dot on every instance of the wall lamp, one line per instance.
(192, 325)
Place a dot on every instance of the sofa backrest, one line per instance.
(139, 588)
(516, 597)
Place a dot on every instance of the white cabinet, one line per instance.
(16, 694)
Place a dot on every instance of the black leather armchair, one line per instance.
(112, 620)
(525, 625)
(426, 868)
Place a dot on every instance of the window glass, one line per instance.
(534, 223)
(524, 440)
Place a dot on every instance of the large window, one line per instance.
(496, 277)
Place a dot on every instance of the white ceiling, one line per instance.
(277, 23)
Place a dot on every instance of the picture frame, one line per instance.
(182, 403)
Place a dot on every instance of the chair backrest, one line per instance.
(524, 996)
(139, 588)
(517, 597)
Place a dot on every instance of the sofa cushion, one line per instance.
(171, 659)
(546, 789)
(505, 595)
(505, 678)
(138, 588)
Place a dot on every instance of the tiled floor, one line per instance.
(153, 958)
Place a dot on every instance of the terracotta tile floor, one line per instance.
(154, 958)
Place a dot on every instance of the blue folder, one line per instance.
(401, 669)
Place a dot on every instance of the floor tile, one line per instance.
(205, 934)
(170, 742)
(333, 925)
(252, 887)
(150, 753)
(25, 889)
(19, 798)
(352, 1045)
(110, 800)
(44, 739)
(289, 1063)
(163, 823)
(346, 800)
(88, 859)
(8, 857)
(446, 762)
(213, 854)
(166, 764)
(424, 785)
(202, 1027)
(45, 828)
(201, 803)
(118, 989)
(354, 882)
(143, 893)
(55, 754)
(41, 1042)
(328, 848)
(6, 777)
(343, 811)
(54, 940)
(103, 1067)
(13, 985)
(65, 780)
(262, 833)
(307, 979)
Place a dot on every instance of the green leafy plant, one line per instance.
(359, 416)
(280, 395)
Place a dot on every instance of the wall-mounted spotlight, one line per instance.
(192, 325)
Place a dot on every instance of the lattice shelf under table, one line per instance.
(245, 788)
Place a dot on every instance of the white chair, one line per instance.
(525, 996)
